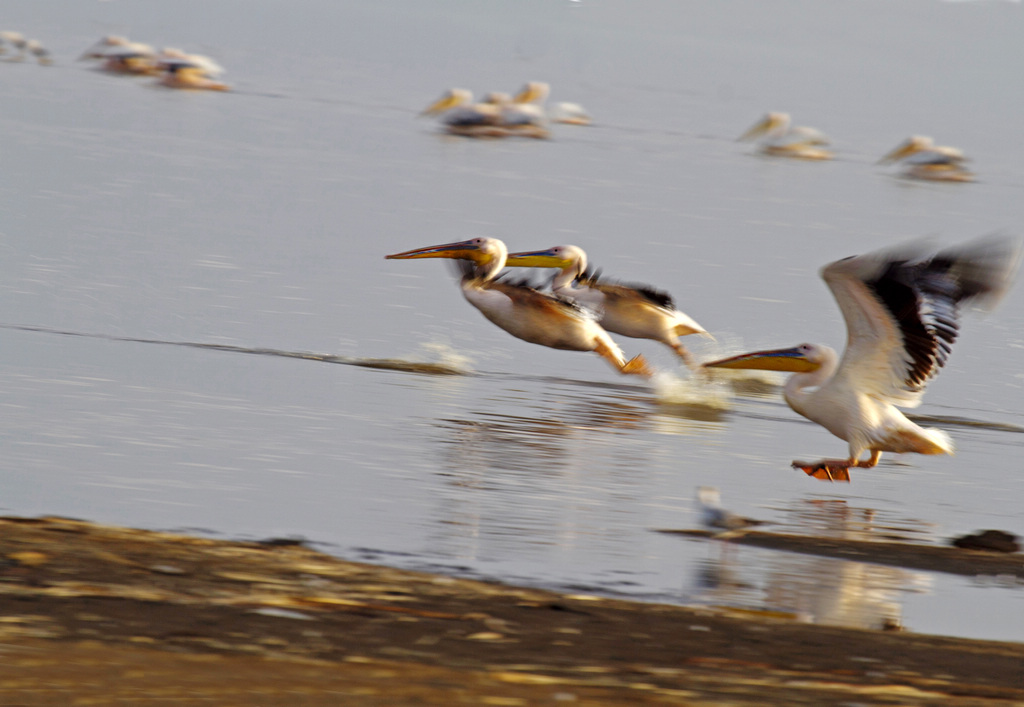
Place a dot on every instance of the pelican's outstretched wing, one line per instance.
(901, 309)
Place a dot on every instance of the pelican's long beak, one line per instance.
(792, 360)
(467, 250)
(536, 259)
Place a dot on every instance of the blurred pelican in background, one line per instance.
(41, 53)
(16, 40)
(780, 139)
(119, 55)
(637, 311)
(498, 115)
(25, 47)
(901, 309)
(522, 311)
(924, 159)
(570, 114)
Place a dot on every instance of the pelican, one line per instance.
(522, 311)
(15, 39)
(526, 110)
(901, 311)
(570, 113)
(41, 53)
(498, 115)
(637, 311)
(123, 56)
(25, 47)
(926, 160)
(782, 140)
(461, 116)
(194, 71)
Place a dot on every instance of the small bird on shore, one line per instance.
(718, 520)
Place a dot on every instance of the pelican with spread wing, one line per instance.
(637, 311)
(901, 309)
(926, 160)
(522, 311)
(781, 139)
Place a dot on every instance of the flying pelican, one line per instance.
(926, 160)
(522, 311)
(901, 310)
(194, 71)
(637, 311)
(781, 140)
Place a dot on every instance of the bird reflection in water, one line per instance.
(820, 590)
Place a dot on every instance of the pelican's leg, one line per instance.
(827, 469)
(837, 469)
(871, 461)
(634, 366)
(687, 357)
(637, 366)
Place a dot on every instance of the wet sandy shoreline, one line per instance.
(104, 615)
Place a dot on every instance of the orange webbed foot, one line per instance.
(825, 470)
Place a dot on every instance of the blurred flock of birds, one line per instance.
(524, 114)
(498, 114)
(114, 54)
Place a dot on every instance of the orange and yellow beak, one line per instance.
(462, 250)
(792, 360)
(537, 259)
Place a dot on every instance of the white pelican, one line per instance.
(570, 113)
(782, 140)
(637, 311)
(498, 115)
(926, 160)
(123, 56)
(193, 71)
(527, 107)
(41, 53)
(901, 311)
(15, 39)
(25, 47)
(522, 311)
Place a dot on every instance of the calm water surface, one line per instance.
(259, 220)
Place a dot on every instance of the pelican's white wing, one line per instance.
(901, 309)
